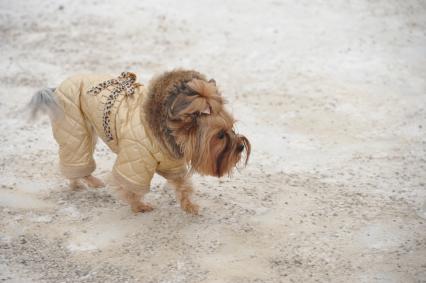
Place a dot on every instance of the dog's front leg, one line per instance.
(184, 191)
(134, 199)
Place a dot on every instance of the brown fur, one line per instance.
(162, 91)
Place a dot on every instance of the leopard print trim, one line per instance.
(125, 82)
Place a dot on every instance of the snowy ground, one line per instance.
(332, 95)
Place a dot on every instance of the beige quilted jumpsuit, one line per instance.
(108, 107)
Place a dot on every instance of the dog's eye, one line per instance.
(221, 135)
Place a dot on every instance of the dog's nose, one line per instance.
(240, 147)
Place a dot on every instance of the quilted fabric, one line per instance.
(138, 154)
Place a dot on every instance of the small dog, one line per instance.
(175, 127)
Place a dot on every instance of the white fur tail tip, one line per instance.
(45, 102)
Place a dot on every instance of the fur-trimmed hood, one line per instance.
(165, 95)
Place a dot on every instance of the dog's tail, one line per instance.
(45, 102)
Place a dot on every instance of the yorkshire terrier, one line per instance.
(176, 126)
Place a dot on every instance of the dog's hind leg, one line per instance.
(77, 140)
(93, 182)
(76, 185)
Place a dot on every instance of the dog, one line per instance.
(176, 126)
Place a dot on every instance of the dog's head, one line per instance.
(204, 130)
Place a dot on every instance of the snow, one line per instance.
(331, 94)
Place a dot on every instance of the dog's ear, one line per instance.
(185, 105)
(185, 112)
(203, 88)
(197, 99)
(207, 91)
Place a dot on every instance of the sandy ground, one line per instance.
(332, 95)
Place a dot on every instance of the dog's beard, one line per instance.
(212, 148)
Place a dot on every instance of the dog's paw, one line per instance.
(77, 185)
(94, 182)
(190, 207)
(141, 207)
